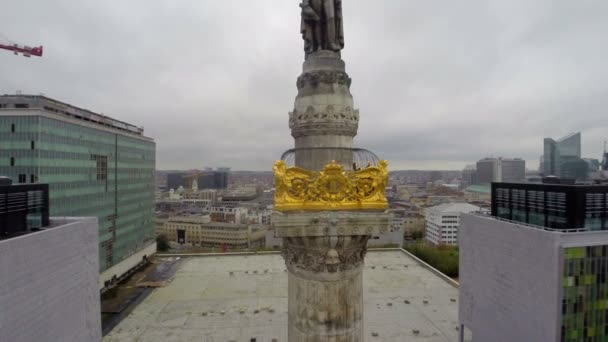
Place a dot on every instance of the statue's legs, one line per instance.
(318, 32)
(317, 6)
(330, 17)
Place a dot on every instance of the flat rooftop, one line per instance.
(204, 302)
(54, 222)
(23, 101)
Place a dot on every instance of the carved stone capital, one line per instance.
(343, 121)
(330, 224)
(314, 78)
(329, 114)
(324, 255)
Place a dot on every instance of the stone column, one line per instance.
(325, 280)
(324, 250)
(324, 253)
(324, 121)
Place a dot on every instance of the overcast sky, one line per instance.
(439, 84)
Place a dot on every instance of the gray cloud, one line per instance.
(439, 84)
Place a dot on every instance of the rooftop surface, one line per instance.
(455, 207)
(62, 108)
(54, 222)
(482, 189)
(205, 303)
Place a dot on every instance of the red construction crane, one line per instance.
(26, 51)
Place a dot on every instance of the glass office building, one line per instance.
(556, 206)
(94, 165)
(562, 158)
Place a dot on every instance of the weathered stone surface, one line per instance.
(324, 253)
(344, 120)
(324, 60)
(325, 287)
(324, 120)
(330, 224)
(322, 258)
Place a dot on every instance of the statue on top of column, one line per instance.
(322, 25)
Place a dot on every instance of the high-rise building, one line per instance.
(435, 176)
(207, 179)
(469, 176)
(512, 170)
(593, 165)
(536, 269)
(442, 222)
(562, 158)
(486, 171)
(94, 165)
(501, 170)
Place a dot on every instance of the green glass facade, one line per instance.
(92, 170)
(585, 294)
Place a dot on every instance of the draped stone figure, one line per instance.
(322, 25)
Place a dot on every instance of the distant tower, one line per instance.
(605, 160)
(562, 158)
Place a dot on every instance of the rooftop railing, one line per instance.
(557, 230)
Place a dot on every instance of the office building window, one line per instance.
(101, 166)
(595, 211)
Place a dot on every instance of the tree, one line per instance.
(162, 243)
(444, 257)
(417, 234)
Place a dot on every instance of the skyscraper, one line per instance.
(469, 175)
(487, 171)
(512, 170)
(94, 165)
(562, 158)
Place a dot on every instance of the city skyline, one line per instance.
(189, 85)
